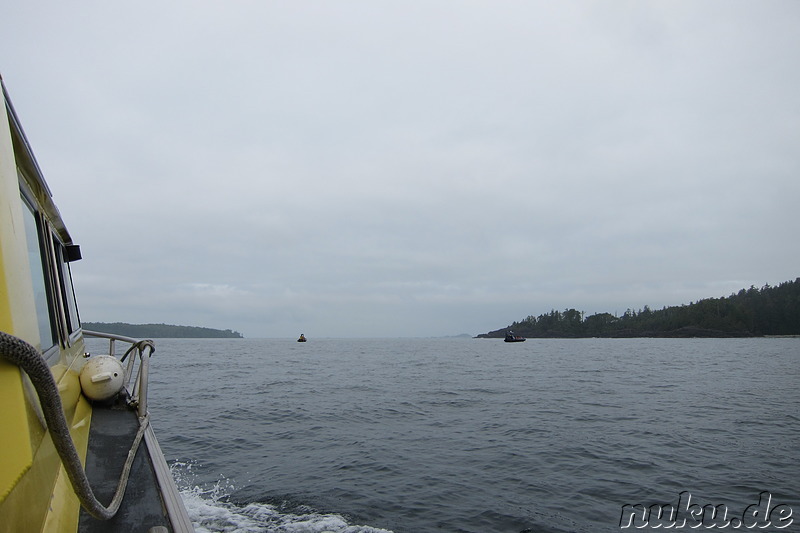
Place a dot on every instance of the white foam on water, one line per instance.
(210, 513)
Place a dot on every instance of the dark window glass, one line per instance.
(40, 294)
(67, 292)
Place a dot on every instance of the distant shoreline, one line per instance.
(161, 331)
(753, 312)
(681, 333)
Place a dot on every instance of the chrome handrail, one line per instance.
(138, 396)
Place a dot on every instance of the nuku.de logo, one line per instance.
(690, 515)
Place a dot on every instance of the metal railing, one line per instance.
(171, 497)
(135, 352)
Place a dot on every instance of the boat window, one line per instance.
(67, 291)
(36, 260)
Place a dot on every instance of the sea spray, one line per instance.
(211, 510)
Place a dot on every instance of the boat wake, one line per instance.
(211, 511)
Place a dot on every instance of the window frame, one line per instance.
(41, 275)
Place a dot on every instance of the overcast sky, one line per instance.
(411, 168)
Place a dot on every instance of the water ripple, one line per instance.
(414, 435)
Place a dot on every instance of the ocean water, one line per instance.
(473, 435)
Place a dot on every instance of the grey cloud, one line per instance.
(412, 168)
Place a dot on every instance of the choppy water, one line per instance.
(465, 435)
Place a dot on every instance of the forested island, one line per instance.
(751, 312)
(161, 331)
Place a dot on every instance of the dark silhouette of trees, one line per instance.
(748, 313)
(160, 331)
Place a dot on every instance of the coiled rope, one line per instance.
(27, 358)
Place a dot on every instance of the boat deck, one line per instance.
(111, 434)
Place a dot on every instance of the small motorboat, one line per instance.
(302, 338)
(510, 337)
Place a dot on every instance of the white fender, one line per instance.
(101, 377)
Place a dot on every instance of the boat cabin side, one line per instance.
(37, 305)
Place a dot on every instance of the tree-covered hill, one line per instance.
(749, 313)
(160, 331)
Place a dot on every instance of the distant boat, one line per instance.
(510, 337)
(302, 338)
